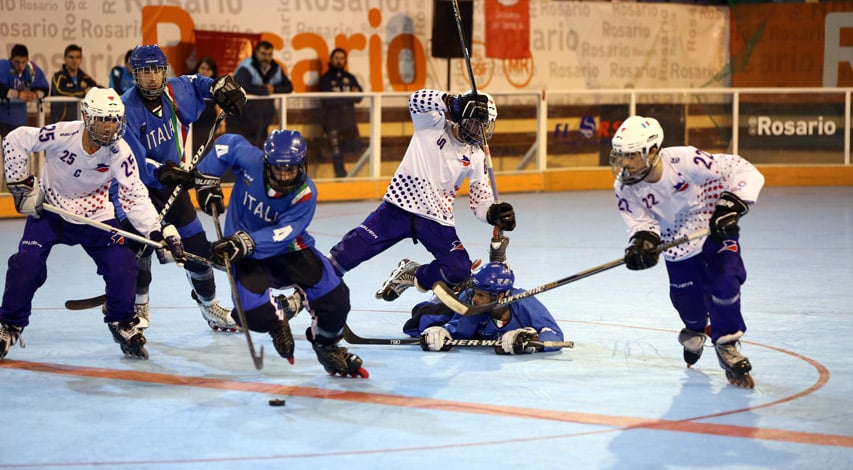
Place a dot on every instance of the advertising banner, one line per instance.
(571, 45)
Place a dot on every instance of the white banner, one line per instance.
(574, 45)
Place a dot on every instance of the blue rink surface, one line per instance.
(622, 398)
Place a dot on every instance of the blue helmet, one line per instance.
(494, 278)
(285, 150)
(148, 66)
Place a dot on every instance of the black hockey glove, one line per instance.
(468, 107)
(170, 241)
(209, 193)
(728, 211)
(233, 248)
(642, 253)
(28, 196)
(497, 249)
(518, 341)
(170, 174)
(502, 216)
(228, 94)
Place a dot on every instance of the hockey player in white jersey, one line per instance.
(668, 193)
(81, 158)
(446, 148)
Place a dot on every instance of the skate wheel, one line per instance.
(743, 381)
(215, 327)
(362, 372)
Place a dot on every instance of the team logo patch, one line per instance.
(681, 186)
(465, 160)
(118, 239)
(102, 168)
(457, 246)
(729, 245)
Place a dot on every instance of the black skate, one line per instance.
(336, 359)
(282, 340)
(217, 316)
(735, 364)
(131, 339)
(9, 335)
(694, 344)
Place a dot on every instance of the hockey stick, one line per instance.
(445, 293)
(489, 166)
(352, 338)
(123, 233)
(92, 302)
(258, 359)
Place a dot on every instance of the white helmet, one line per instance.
(469, 129)
(637, 135)
(103, 113)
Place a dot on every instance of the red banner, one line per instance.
(227, 49)
(508, 29)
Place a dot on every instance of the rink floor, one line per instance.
(621, 399)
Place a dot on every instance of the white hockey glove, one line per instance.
(435, 338)
(171, 247)
(28, 196)
(517, 341)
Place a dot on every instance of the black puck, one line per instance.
(276, 402)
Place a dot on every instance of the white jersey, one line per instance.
(436, 164)
(682, 201)
(76, 181)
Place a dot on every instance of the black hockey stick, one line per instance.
(258, 359)
(97, 301)
(352, 338)
(447, 297)
(489, 166)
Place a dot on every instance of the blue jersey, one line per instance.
(158, 139)
(528, 312)
(14, 112)
(277, 223)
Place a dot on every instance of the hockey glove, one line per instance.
(463, 107)
(209, 193)
(172, 248)
(518, 341)
(228, 94)
(497, 249)
(501, 215)
(28, 196)
(233, 248)
(728, 211)
(435, 338)
(642, 253)
(170, 174)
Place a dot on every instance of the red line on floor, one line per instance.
(691, 426)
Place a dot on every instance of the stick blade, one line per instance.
(85, 304)
(445, 294)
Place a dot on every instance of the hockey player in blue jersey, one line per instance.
(265, 237)
(515, 325)
(159, 111)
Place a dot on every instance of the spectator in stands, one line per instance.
(206, 67)
(21, 82)
(121, 79)
(259, 75)
(70, 81)
(339, 123)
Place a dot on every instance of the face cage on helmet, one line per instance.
(471, 133)
(625, 176)
(285, 187)
(105, 137)
(146, 92)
